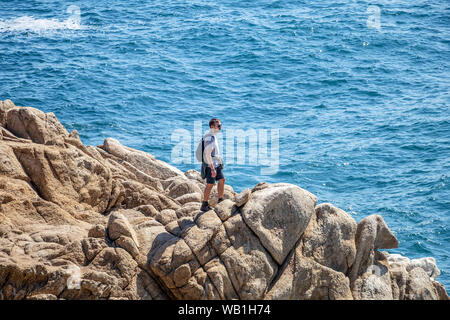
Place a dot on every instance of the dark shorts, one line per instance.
(210, 179)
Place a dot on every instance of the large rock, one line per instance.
(243, 197)
(10, 166)
(370, 275)
(182, 186)
(302, 278)
(208, 259)
(279, 215)
(66, 176)
(137, 194)
(111, 222)
(33, 124)
(250, 266)
(4, 107)
(190, 197)
(428, 264)
(21, 206)
(411, 284)
(194, 175)
(375, 282)
(420, 287)
(225, 209)
(372, 233)
(120, 230)
(329, 238)
(143, 161)
(204, 259)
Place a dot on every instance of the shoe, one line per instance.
(220, 200)
(205, 207)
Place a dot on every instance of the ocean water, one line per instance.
(358, 91)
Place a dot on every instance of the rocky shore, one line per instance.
(111, 222)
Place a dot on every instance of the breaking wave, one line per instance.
(31, 24)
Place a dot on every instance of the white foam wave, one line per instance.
(27, 23)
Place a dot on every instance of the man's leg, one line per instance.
(207, 191)
(221, 183)
(205, 206)
(210, 181)
(221, 187)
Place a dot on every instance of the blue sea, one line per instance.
(359, 91)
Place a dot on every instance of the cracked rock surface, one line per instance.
(112, 222)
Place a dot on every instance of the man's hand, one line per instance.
(213, 172)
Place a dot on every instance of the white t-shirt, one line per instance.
(210, 143)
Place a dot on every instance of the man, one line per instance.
(213, 164)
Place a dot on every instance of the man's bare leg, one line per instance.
(221, 187)
(207, 191)
(205, 206)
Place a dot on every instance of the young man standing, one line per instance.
(212, 163)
